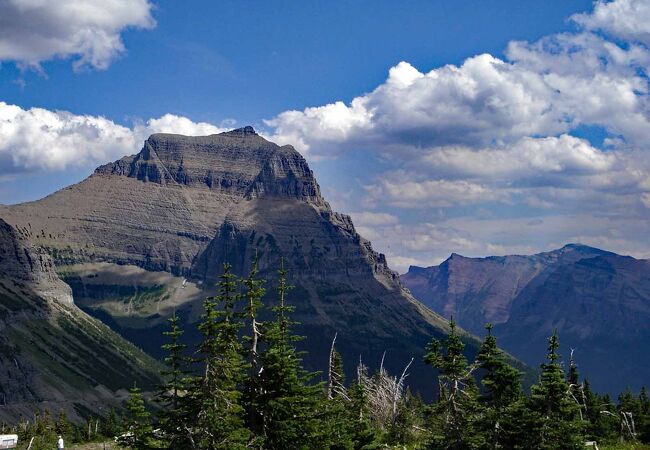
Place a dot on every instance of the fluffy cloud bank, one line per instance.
(39, 139)
(625, 19)
(33, 31)
(558, 128)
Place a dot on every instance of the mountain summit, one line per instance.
(149, 233)
(598, 301)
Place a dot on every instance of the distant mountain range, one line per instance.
(149, 233)
(598, 301)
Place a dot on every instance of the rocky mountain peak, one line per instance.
(237, 162)
(582, 248)
(244, 131)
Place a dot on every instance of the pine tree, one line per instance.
(289, 405)
(173, 417)
(457, 405)
(555, 417)
(576, 389)
(644, 419)
(216, 397)
(337, 424)
(629, 410)
(402, 431)
(253, 293)
(600, 414)
(139, 432)
(63, 427)
(111, 425)
(362, 434)
(501, 389)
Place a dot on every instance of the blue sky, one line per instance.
(480, 127)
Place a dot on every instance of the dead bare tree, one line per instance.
(335, 386)
(628, 428)
(384, 391)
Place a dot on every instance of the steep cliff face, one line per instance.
(599, 303)
(186, 205)
(51, 353)
(24, 263)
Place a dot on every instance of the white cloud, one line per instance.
(369, 218)
(33, 31)
(482, 101)
(171, 123)
(398, 188)
(545, 88)
(525, 158)
(502, 135)
(625, 19)
(39, 139)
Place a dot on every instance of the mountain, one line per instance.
(149, 233)
(51, 353)
(598, 301)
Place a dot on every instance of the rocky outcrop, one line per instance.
(24, 263)
(598, 301)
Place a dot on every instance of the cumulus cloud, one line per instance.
(482, 101)
(399, 189)
(546, 88)
(516, 135)
(526, 158)
(34, 31)
(171, 123)
(625, 19)
(365, 218)
(40, 139)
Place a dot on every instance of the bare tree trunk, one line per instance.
(330, 378)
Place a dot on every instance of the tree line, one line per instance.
(245, 387)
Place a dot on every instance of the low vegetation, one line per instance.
(252, 392)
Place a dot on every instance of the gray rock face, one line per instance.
(51, 353)
(598, 301)
(30, 265)
(186, 205)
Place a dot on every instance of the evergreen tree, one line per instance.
(215, 397)
(362, 435)
(253, 293)
(139, 432)
(501, 389)
(402, 431)
(290, 407)
(338, 421)
(644, 420)
(111, 425)
(457, 405)
(555, 423)
(576, 389)
(63, 427)
(173, 417)
(629, 410)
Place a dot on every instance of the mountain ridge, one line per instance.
(598, 301)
